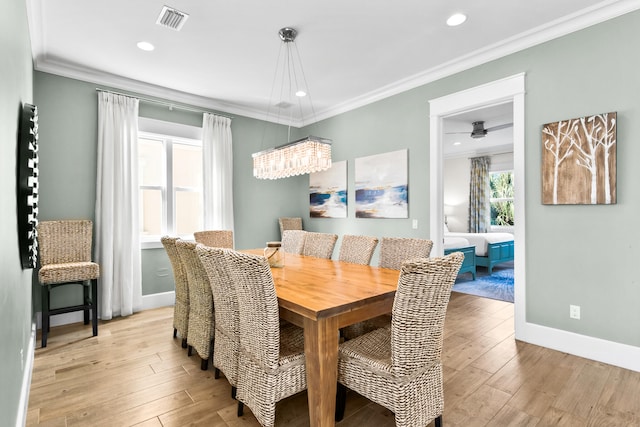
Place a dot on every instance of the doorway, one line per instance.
(510, 89)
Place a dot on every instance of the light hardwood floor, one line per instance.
(135, 373)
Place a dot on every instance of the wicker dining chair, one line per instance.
(65, 259)
(319, 245)
(181, 307)
(395, 250)
(357, 249)
(227, 315)
(271, 356)
(293, 241)
(201, 315)
(400, 367)
(288, 223)
(215, 238)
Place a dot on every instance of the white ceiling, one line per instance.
(457, 141)
(354, 52)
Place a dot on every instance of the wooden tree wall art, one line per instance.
(579, 161)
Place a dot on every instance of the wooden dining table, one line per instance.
(322, 296)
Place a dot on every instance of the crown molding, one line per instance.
(65, 69)
(579, 20)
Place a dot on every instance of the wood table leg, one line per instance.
(321, 352)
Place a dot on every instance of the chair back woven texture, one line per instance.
(272, 358)
(357, 249)
(227, 317)
(287, 223)
(181, 308)
(201, 317)
(400, 367)
(65, 251)
(319, 245)
(395, 250)
(293, 241)
(215, 238)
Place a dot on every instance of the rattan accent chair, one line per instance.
(319, 245)
(227, 316)
(357, 249)
(65, 259)
(289, 223)
(181, 307)
(400, 367)
(395, 250)
(201, 315)
(271, 356)
(293, 241)
(215, 238)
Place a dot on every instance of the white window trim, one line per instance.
(169, 133)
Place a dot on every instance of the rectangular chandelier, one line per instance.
(306, 155)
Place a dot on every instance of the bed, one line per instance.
(491, 248)
(460, 244)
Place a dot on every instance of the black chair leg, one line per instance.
(175, 332)
(240, 408)
(184, 343)
(190, 351)
(234, 390)
(216, 373)
(438, 421)
(94, 306)
(86, 302)
(45, 314)
(341, 401)
(204, 364)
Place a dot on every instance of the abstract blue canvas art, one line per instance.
(382, 186)
(328, 192)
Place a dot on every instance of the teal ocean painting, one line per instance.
(328, 192)
(382, 186)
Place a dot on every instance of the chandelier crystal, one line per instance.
(306, 155)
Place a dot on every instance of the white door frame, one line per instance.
(509, 89)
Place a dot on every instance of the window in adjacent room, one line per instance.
(502, 208)
(170, 180)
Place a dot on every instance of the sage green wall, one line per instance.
(16, 313)
(583, 255)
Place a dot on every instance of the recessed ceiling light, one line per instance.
(301, 93)
(456, 19)
(146, 46)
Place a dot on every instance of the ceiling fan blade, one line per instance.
(456, 133)
(504, 126)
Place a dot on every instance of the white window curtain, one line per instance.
(117, 230)
(218, 172)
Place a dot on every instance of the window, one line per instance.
(170, 179)
(501, 199)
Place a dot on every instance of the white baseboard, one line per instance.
(612, 353)
(21, 419)
(163, 299)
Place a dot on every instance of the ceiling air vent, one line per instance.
(172, 18)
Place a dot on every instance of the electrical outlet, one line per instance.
(574, 312)
(415, 224)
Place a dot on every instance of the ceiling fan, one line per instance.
(479, 130)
